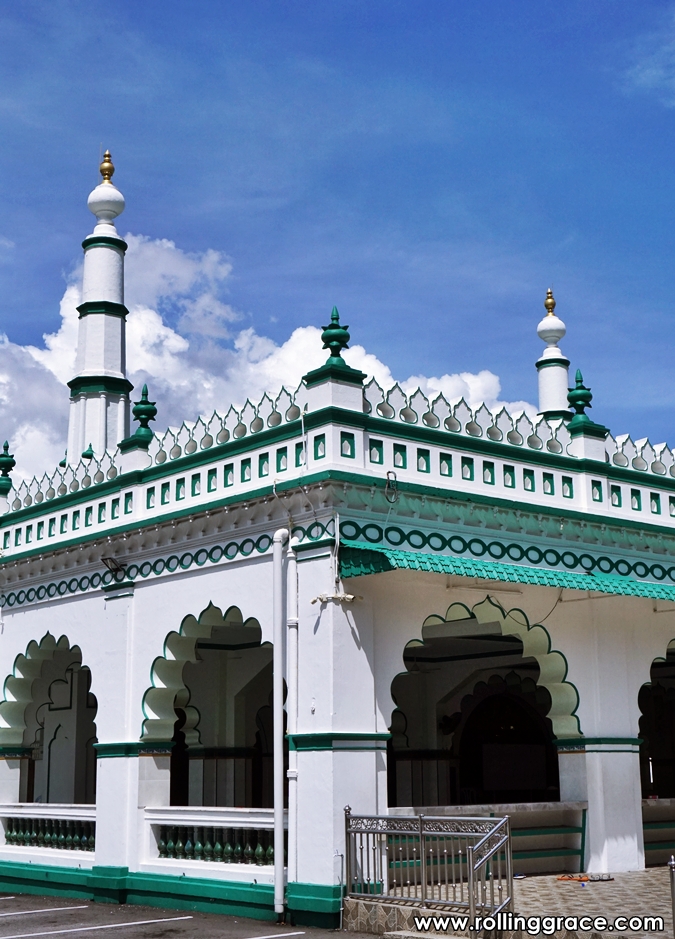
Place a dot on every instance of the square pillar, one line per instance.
(605, 773)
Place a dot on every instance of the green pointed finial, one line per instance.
(88, 454)
(64, 461)
(7, 464)
(335, 337)
(580, 398)
(144, 411)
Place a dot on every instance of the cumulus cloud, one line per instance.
(189, 345)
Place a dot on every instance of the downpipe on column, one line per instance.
(278, 541)
(292, 705)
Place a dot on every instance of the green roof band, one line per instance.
(102, 306)
(357, 559)
(104, 241)
(92, 384)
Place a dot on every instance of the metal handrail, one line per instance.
(463, 862)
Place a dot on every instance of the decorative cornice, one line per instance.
(548, 363)
(104, 241)
(92, 307)
(135, 572)
(92, 384)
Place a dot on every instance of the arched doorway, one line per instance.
(472, 723)
(656, 701)
(217, 690)
(55, 723)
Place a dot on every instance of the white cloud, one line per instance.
(175, 321)
(653, 67)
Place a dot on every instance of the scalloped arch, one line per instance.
(168, 690)
(18, 687)
(537, 644)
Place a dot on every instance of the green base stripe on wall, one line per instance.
(132, 748)
(310, 904)
(597, 741)
(338, 741)
(319, 898)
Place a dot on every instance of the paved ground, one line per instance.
(28, 916)
(639, 893)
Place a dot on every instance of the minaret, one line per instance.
(553, 365)
(99, 392)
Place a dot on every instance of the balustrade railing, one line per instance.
(59, 833)
(206, 843)
(461, 862)
(211, 834)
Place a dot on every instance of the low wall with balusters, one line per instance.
(60, 834)
(206, 843)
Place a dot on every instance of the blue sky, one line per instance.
(430, 167)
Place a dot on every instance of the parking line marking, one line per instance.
(52, 909)
(276, 935)
(7, 898)
(140, 922)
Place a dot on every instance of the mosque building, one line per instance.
(216, 638)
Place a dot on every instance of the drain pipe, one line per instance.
(292, 706)
(278, 542)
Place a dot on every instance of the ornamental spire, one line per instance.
(549, 302)
(335, 337)
(552, 364)
(107, 168)
(7, 464)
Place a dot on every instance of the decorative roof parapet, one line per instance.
(514, 431)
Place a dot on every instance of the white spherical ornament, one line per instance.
(551, 329)
(106, 202)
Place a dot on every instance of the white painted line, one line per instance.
(52, 909)
(274, 935)
(7, 898)
(61, 932)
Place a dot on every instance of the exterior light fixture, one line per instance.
(114, 566)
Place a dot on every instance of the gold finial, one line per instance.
(549, 302)
(107, 169)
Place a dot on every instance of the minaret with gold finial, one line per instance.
(99, 392)
(553, 365)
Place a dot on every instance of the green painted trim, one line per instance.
(308, 546)
(331, 371)
(123, 584)
(97, 385)
(15, 753)
(595, 741)
(382, 427)
(358, 559)
(548, 363)
(131, 749)
(326, 741)
(139, 477)
(104, 241)
(557, 415)
(134, 442)
(316, 904)
(320, 898)
(119, 585)
(582, 846)
(104, 307)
